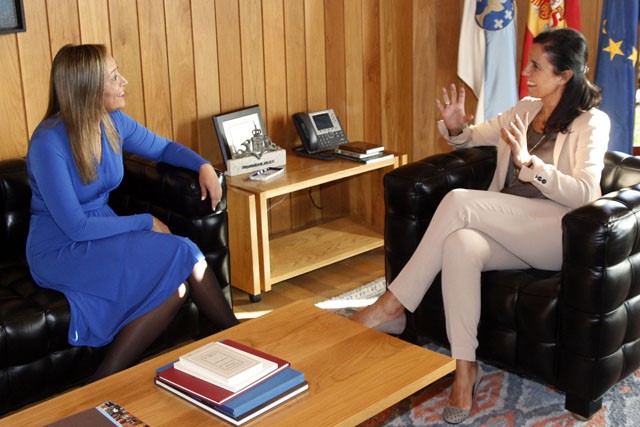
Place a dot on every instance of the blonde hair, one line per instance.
(76, 96)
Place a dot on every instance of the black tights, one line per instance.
(140, 333)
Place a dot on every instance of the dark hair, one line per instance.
(567, 49)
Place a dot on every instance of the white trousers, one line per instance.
(474, 231)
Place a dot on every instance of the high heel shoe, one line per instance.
(394, 326)
(456, 415)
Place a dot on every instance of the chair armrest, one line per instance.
(601, 265)
(417, 188)
(173, 195)
(413, 192)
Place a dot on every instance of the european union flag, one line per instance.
(615, 69)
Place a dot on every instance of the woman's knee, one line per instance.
(199, 270)
(183, 290)
(466, 245)
(456, 197)
(454, 207)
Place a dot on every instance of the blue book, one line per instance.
(262, 393)
(253, 403)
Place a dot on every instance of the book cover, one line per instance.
(361, 147)
(210, 392)
(224, 365)
(263, 392)
(382, 155)
(106, 414)
(215, 410)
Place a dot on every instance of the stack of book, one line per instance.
(363, 152)
(231, 380)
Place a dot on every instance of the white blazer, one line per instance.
(578, 156)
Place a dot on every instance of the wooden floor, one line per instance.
(314, 286)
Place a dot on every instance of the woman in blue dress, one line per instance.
(125, 277)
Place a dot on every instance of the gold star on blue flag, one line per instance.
(616, 69)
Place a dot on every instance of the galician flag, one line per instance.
(616, 69)
(487, 55)
(544, 15)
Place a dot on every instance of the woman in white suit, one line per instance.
(550, 154)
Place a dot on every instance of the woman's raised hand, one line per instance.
(516, 137)
(452, 110)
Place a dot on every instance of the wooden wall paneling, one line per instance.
(354, 68)
(425, 112)
(371, 59)
(125, 48)
(316, 58)
(359, 194)
(316, 89)
(397, 70)
(35, 65)
(446, 68)
(388, 50)
(252, 53)
(12, 110)
(205, 62)
(295, 60)
(155, 68)
(404, 75)
(336, 60)
(64, 24)
(229, 55)
(181, 72)
(276, 114)
(302, 210)
(335, 196)
(94, 22)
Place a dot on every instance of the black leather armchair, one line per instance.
(36, 361)
(577, 329)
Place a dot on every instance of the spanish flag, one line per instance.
(544, 15)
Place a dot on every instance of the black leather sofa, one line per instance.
(577, 329)
(36, 361)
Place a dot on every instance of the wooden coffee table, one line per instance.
(353, 374)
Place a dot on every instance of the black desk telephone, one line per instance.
(319, 132)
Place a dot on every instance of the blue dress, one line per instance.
(112, 269)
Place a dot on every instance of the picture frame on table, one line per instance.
(12, 17)
(236, 127)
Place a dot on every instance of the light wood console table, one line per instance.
(258, 260)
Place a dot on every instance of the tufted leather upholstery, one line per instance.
(577, 329)
(36, 360)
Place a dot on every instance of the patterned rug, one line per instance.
(503, 399)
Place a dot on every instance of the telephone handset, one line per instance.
(319, 131)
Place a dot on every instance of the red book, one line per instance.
(210, 392)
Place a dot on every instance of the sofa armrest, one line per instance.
(599, 297)
(173, 196)
(413, 192)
